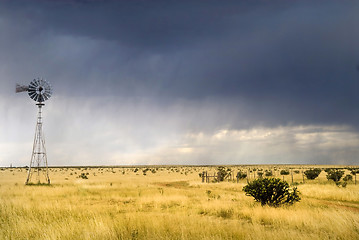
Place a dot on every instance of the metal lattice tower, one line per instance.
(39, 90)
(38, 163)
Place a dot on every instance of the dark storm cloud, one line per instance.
(183, 81)
(288, 62)
(139, 23)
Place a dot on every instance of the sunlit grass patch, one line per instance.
(166, 205)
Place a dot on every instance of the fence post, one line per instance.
(203, 176)
(303, 175)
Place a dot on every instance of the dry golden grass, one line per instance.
(171, 203)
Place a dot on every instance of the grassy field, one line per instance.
(169, 202)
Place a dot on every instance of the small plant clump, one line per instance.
(83, 176)
(312, 173)
(272, 191)
(284, 172)
(211, 195)
(144, 171)
(348, 178)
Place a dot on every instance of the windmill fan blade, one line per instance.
(21, 88)
(33, 96)
(39, 90)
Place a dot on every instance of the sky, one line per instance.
(182, 82)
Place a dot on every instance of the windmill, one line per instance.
(39, 90)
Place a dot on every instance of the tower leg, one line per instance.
(38, 163)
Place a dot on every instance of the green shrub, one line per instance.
(312, 173)
(335, 175)
(83, 176)
(222, 173)
(241, 175)
(272, 192)
(348, 178)
(268, 173)
(284, 172)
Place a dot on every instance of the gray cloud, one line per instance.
(172, 68)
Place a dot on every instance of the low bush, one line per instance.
(284, 172)
(335, 175)
(348, 178)
(83, 176)
(222, 173)
(272, 192)
(312, 173)
(241, 175)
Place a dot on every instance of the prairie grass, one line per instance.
(168, 203)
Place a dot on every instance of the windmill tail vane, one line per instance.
(21, 88)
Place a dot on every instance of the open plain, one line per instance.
(170, 202)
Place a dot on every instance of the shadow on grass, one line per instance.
(38, 184)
